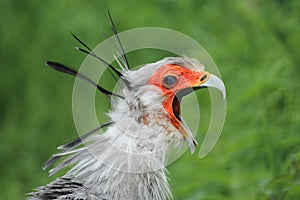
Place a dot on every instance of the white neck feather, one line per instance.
(129, 160)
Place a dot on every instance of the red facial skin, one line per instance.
(185, 79)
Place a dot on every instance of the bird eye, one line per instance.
(169, 81)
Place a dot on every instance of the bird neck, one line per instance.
(130, 158)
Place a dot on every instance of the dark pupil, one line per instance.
(169, 81)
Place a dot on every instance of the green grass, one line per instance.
(255, 44)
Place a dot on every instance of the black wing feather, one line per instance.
(72, 144)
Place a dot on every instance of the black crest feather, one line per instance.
(67, 70)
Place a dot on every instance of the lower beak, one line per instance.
(214, 82)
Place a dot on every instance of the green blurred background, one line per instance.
(255, 44)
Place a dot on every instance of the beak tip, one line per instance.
(224, 94)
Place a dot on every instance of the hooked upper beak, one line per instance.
(210, 80)
(214, 82)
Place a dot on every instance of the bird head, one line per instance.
(156, 91)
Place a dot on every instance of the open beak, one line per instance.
(210, 81)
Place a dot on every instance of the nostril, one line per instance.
(203, 78)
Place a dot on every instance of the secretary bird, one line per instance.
(128, 161)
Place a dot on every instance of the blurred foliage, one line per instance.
(254, 43)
